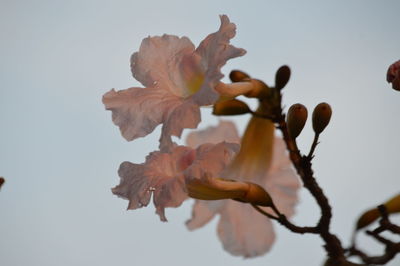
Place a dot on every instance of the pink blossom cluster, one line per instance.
(178, 79)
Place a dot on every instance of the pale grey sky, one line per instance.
(60, 152)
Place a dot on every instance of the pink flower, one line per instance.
(393, 75)
(162, 174)
(178, 80)
(263, 160)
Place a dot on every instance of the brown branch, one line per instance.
(385, 224)
(391, 248)
(390, 252)
(304, 169)
(264, 212)
(285, 222)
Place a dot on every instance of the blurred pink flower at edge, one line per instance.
(393, 75)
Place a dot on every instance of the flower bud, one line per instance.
(367, 218)
(282, 77)
(260, 89)
(237, 76)
(321, 116)
(370, 216)
(393, 205)
(231, 107)
(296, 119)
(256, 195)
(393, 75)
(209, 188)
(1, 181)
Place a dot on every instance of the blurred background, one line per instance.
(59, 150)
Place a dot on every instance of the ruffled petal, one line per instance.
(243, 231)
(133, 186)
(138, 111)
(202, 212)
(224, 131)
(161, 176)
(159, 63)
(211, 159)
(214, 52)
(184, 115)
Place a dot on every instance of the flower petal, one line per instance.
(211, 159)
(138, 111)
(281, 180)
(132, 186)
(203, 211)
(214, 52)
(184, 115)
(256, 151)
(158, 63)
(243, 231)
(224, 131)
(161, 176)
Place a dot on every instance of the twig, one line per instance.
(264, 212)
(313, 146)
(391, 248)
(304, 169)
(285, 222)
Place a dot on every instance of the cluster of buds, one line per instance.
(297, 117)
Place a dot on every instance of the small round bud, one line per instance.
(230, 107)
(282, 77)
(296, 119)
(237, 76)
(321, 116)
